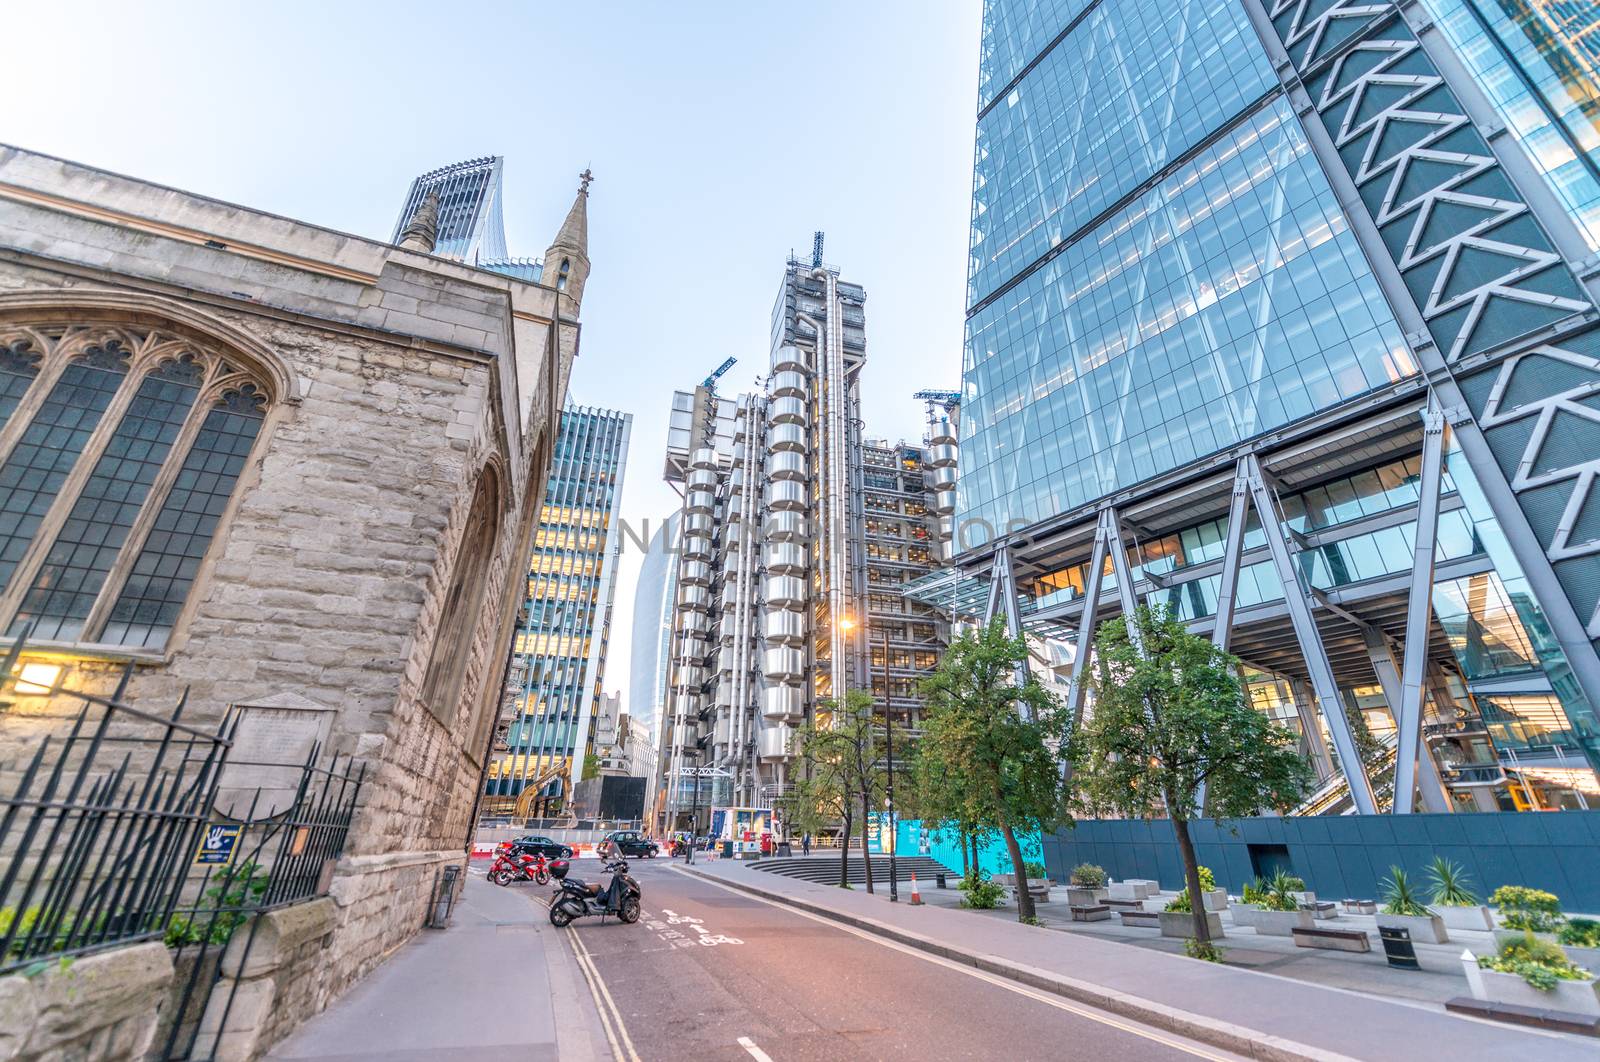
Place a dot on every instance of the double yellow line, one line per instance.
(610, 1016)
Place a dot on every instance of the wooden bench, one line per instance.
(1125, 905)
(1087, 912)
(1331, 939)
(1142, 919)
(1321, 909)
(1364, 907)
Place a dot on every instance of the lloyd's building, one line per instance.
(1283, 314)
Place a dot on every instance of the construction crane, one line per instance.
(948, 399)
(710, 382)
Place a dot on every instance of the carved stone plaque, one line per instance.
(271, 747)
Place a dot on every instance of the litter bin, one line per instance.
(939, 880)
(784, 850)
(444, 896)
(1397, 947)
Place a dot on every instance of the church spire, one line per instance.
(566, 263)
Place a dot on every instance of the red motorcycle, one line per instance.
(508, 868)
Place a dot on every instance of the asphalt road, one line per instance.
(710, 973)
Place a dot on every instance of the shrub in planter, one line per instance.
(1580, 939)
(980, 893)
(1088, 876)
(1533, 972)
(1402, 910)
(1453, 899)
(1036, 872)
(1533, 910)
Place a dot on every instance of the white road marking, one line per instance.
(610, 1015)
(1010, 986)
(755, 1052)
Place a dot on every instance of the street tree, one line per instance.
(1170, 716)
(818, 797)
(841, 745)
(988, 754)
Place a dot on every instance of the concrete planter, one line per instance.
(1502, 936)
(1425, 929)
(1476, 917)
(1216, 899)
(1081, 896)
(1304, 897)
(1130, 890)
(1181, 924)
(1588, 958)
(1282, 923)
(1574, 997)
(1244, 914)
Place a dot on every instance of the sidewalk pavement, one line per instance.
(499, 983)
(1255, 1014)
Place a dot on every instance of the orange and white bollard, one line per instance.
(916, 897)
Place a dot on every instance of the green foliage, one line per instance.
(591, 767)
(1254, 891)
(1580, 933)
(1539, 962)
(1031, 920)
(987, 756)
(1203, 950)
(980, 893)
(231, 898)
(1398, 897)
(1182, 902)
(1280, 893)
(1450, 884)
(1036, 871)
(1531, 909)
(1170, 715)
(1089, 876)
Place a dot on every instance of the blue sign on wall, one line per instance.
(217, 846)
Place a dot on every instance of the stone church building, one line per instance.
(277, 465)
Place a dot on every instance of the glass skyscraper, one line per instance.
(559, 657)
(471, 228)
(1324, 270)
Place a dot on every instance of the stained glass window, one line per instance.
(34, 472)
(88, 543)
(19, 364)
(114, 473)
(161, 577)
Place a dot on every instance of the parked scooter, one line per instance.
(579, 898)
(508, 868)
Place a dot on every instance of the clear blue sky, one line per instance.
(721, 135)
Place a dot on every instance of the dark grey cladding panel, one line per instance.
(1479, 266)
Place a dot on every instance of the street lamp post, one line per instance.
(888, 736)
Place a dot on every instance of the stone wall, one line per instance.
(272, 976)
(95, 1009)
(402, 379)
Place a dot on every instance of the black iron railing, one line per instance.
(97, 829)
(110, 835)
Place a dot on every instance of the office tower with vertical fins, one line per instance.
(559, 655)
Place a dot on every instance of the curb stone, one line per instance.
(1239, 1039)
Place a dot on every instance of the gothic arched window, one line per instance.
(561, 274)
(120, 447)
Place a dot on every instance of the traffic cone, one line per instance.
(916, 897)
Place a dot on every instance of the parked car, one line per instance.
(536, 844)
(633, 845)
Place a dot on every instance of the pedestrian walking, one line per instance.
(805, 844)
